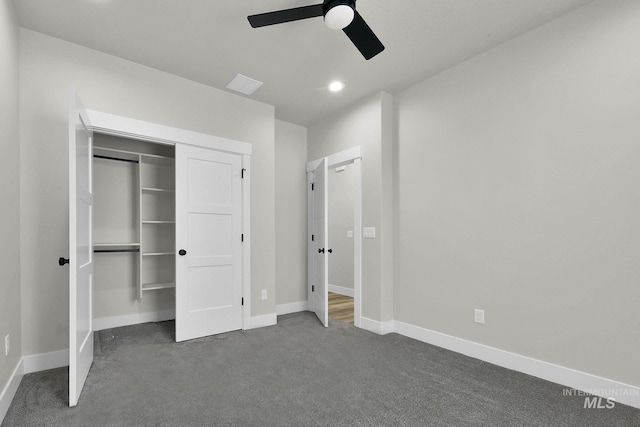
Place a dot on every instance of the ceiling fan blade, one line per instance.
(363, 37)
(287, 15)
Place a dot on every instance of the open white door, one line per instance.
(319, 247)
(209, 242)
(80, 248)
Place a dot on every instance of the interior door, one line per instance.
(319, 250)
(209, 242)
(80, 247)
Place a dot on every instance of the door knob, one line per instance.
(321, 251)
(330, 251)
(62, 261)
(182, 252)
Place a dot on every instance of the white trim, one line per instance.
(133, 319)
(357, 242)
(44, 361)
(246, 246)
(348, 292)
(292, 307)
(262, 321)
(313, 165)
(126, 127)
(380, 328)
(622, 393)
(338, 159)
(310, 244)
(10, 389)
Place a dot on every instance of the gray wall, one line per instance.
(113, 85)
(291, 213)
(340, 222)
(10, 191)
(518, 193)
(369, 125)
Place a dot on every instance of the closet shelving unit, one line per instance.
(155, 245)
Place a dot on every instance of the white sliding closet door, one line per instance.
(320, 246)
(80, 247)
(209, 242)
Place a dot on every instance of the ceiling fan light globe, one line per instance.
(339, 17)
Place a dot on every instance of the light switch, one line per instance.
(369, 232)
(349, 233)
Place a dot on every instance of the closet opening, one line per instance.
(133, 231)
(334, 251)
(340, 196)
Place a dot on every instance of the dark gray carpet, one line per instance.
(295, 374)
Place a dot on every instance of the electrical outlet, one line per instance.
(264, 294)
(6, 344)
(350, 233)
(478, 316)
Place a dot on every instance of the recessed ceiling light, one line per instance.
(336, 86)
(244, 84)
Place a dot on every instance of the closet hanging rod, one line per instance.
(114, 158)
(102, 251)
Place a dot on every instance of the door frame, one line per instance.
(352, 156)
(125, 127)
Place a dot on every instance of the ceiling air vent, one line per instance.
(244, 84)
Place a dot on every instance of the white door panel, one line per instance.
(81, 248)
(320, 277)
(208, 229)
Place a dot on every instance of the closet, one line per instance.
(158, 227)
(133, 226)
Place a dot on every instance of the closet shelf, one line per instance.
(150, 158)
(155, 286)
(156, 161)
(114, 154)
(152, 190)
(158, 253)
(115, 245)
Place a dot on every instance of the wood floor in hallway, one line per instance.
(340, 307)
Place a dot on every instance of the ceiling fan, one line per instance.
(338, 15)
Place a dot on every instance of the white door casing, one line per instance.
(319, 247)
(351, 156)
(126, 127)
(80, 248)
(209, 231)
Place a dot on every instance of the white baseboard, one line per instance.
(10, 389)
(44, 361)
(261, 321)
(380, 328)
(132, 319)
(622, 393)
(348, 292)
(292, 307)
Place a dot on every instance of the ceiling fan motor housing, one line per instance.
(338, 13)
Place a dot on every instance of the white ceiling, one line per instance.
(209, 41)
